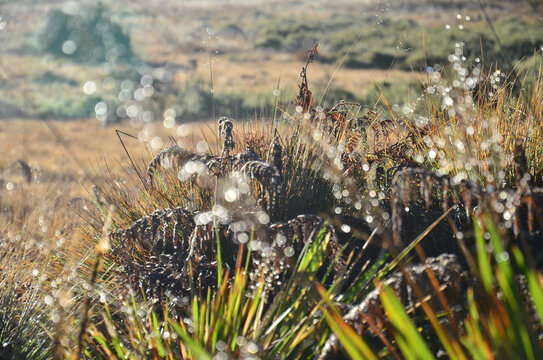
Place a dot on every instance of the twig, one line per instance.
(60, 139)
(101, 249)
(211, 85)
(276, 97)
(119, 132)
(489, 22)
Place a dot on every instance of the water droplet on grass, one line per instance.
(263, 218)
(184, 130)
(231, 195)
(100, 108)
(241, 341)
(289, 251)
(89, 88)
(221, 345)
(157, 142)
(55, 317)
(69, 47)
(201, 147)
(280, 240)
(243, 237)
(252, 348)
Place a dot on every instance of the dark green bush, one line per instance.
(197, 102)
(86, 37)
(66, 108)
(49, 77)
(386, 41)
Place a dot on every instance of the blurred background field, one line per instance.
(52, 49)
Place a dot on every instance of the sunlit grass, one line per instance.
(94, 263)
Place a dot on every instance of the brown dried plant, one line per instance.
(148, 245)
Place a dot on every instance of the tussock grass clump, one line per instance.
(24, 321)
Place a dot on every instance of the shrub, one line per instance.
(87, 36)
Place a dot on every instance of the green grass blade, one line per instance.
(409, 340)
(414, 243)
(158, 337)
(354, 345)
(195, 348)
(483, 258)
(353, 291)
(102, 341)
(219, 255)
(312, 259)
(474, 339)
(534, 287)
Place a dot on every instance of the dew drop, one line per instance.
(221, 345)
(280, 239)
(201, 147)
(89, 88)
(231, 195)
(100, 108)
(169, 122)
(243, 238)
(48, 299)
(69, 47)
(241, 341)
(263, 218)
(184, 130)
(252, 348)
(289, 251)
